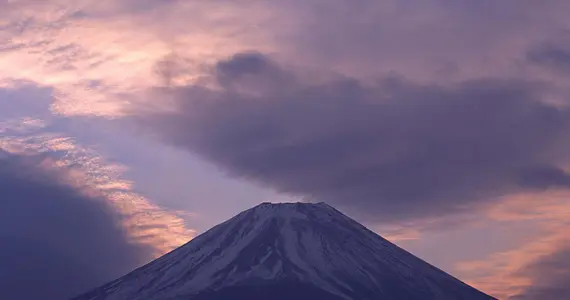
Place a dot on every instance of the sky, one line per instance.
(129, 127)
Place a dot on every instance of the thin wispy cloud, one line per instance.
(84, 222)
(27, 128)
(53, 49)
(521, 272)
(57, 238)
(144, 221)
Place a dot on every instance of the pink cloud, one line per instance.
(502, 274)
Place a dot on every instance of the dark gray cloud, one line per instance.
(56, 240)
(414, 37)
(551, 278)
(553, 55)
(392, 149)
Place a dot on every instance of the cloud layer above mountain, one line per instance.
(390, 148)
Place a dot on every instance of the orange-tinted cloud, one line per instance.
(58, 236)
(99, 54)
(144, 221)
(510, 273)
(77, 47)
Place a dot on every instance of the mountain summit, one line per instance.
(287, 251)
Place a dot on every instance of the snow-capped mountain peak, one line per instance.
(285, 251)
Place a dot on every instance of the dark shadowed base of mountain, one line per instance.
(268, 290)
(301, 291)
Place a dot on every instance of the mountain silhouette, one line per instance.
(287, 251)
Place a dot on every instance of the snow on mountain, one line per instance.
(287, 251)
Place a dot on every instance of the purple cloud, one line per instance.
(57, 241)
(551, 277)
(553, 55)
(392, 149)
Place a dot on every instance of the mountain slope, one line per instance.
(287, 251)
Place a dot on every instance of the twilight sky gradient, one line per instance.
(127, 127)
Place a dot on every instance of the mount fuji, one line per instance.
(287, 251)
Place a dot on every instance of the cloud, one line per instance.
(70, 221)
(145, 222)
(24, 99)
(536, 267)
(392, 148)
(411, 37)
(551, 275)
(51, 48)
(543, 178)
(57, 240)
(553, 55)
